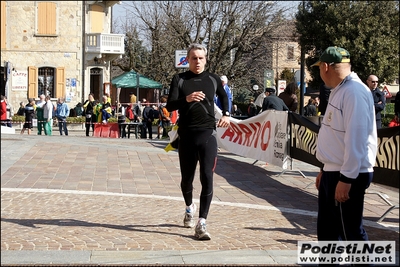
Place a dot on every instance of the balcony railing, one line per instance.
(105, 43)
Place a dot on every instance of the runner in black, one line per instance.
(192, 93)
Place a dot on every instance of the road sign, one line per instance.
(268, 78)
(386, 91)
(180, 59)
(281, 86)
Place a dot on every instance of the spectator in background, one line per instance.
(3, 111)
(88, 107)
(40, 113)
(324, 92)
(148, 118)
(252, 108)
(137, 111)
(132, 98)
(108, 97)
(379, 99)
(174, 117)
(317, 101)
(236, 111)
(104, 110)
(397, 107)
(271, 101)
(310, 109)
(29, 114)
(289, 96)
(155, 111)
(164, 119)
(129, 113)
(62, 112)
(78, 109)
(21, 110)
(121, 117)
(48, 109)
(9, 113)
(228, 92)
(396, 120)
(142, 106)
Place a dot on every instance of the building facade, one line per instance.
(57, 48)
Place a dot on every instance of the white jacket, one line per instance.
(48, 110)
(347, 139)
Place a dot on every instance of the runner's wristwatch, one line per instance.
(226, 113)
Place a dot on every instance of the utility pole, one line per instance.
(302, 83)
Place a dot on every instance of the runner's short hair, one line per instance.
(196, 47)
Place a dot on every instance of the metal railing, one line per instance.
(105, 43)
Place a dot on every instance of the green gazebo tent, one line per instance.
(129, 80)
(134, 81)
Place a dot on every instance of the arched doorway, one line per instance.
(96, 83)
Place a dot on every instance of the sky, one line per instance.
(119, 10)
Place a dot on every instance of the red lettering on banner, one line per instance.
(249, 135)
(236, 130)
(267, 126)
(228, 133)
(257, 129)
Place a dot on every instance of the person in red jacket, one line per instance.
(3, 111)
(174, 117)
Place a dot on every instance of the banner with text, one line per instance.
(262, 137)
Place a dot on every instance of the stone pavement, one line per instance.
(99, 201)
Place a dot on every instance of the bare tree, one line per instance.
(238, 35)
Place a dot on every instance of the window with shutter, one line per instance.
(96, 19)
(3, 24)
(46, 81)
(46, 18)
(60, 82)
(32, 82)
(41, 81)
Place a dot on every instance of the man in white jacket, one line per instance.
(48, 116)
(347, 146)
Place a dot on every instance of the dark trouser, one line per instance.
(7, 123)
(105, 115)
(341, 221)
(62, 126)
(149, 126)
(378, 124)
(40, 125)
(89, 122)
(165, 124)
(197, 145)
(122, 128)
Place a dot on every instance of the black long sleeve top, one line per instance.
(196, 114)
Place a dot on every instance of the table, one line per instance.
(133, 127)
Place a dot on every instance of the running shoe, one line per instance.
(201, 232)
(188, 220)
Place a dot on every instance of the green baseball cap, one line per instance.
(333, 54)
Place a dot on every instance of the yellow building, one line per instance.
(57, 48)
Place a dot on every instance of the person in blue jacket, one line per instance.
(228, 92)
(62, 112)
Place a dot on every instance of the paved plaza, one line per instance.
(99, 201)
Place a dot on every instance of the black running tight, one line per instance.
(198, 145)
